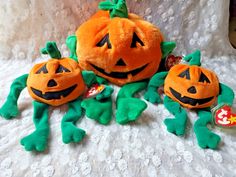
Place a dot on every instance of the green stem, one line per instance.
(52, 50)
(117, 8)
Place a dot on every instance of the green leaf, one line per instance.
(194, 58)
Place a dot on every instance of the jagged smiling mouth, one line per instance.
(54, 95)
(120, 75)
(188, 100)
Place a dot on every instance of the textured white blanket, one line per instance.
(143, 148)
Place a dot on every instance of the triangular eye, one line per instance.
(136, 40)
(104, 41)
(62, 69)
(203, 78)
(42, 70)
(185, 74)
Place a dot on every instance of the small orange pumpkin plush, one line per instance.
(119, 46)
(56, 81)
(192, 86)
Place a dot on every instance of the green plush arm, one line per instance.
(107, 92)
(101, 80)
(10, 108)
(128, 107)
(156, 81)
(129, 90)
(226, 95)
(89, 78)
(71, 43)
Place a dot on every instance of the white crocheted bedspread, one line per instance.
(143, 148)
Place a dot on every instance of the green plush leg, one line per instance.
(226, 95)
(9, 108)
(70, 133)
(129, 108)
(38, 139)
(155, 82)
(178, 124)
(99, 110)
(206, 138)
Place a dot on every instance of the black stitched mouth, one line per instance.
(120, 75)
(54, 95)
(188, 100)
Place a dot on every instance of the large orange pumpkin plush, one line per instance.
(52, 83)
(190, 86)
(122, 48)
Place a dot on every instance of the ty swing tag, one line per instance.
(223, 116)
(172, 60)
(93, 91)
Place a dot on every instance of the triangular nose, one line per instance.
(120, 62)
(52, 83)
(192, 90)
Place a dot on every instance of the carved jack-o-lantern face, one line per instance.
(56, 82)
(121, 50)
(192, 86)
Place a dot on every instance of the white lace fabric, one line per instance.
(143, 148)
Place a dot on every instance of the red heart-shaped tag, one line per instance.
(171, 61)
(93, 91)
(224, 116)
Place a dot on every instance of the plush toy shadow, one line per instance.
(122, 48)
(53, 83)
(192, 87)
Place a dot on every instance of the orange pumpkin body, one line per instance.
(56, 81)
(122, 50)
(192, 86)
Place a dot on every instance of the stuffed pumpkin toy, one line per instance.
(194, 87)
(52, 83)
(122, 48)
